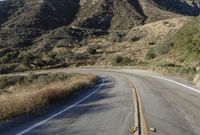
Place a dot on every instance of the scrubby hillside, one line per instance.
(187, 43)
(50, 33)
(24, 20)
(110, 14)
(178, 53)
(7, 8)
(185, 7)
(33, 19)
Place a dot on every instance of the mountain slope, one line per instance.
(110, 14)
(7, 8)
(52, 32)
(187, 43)
(24, 20)
(34, 19)
(185, 7)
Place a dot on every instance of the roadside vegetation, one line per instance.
(161, 48)
(178, 54)
(32, 94)
(187, 42)
(171, 68)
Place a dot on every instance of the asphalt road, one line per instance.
(172, 106)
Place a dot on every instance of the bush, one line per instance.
(79, 56)
(187, 70)
(34, 99)
(63, 53)
(7, 68)
(116, 37)
(39, 62)
(164, 46)
(166, 64)
(51, 55)
(27, 58)
(161, 48)
(9, 57)
(92, 50)
(119, 60)
(8, 81)
(33, 79)
(187, 41)
(150, 54)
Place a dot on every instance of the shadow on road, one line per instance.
(90, 105)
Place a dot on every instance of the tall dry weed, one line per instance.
(32, 100)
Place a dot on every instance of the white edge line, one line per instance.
(59, 113)
(169, 80)
(193, 89)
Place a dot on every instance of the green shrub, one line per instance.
(116, 36)
(27, 58)
(186, 70)
(32, 78)
(164, 46)
(92, 50)
(9, 57)
(165, 64)
(64, 55)
(8, 81)
(39, 62)
(150, 54)
(119, 60)
(79, 56)
(187, 41)
(161, 48)
(51, 55)
(7, 68)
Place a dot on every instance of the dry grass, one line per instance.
(136, 43)
(31, 101)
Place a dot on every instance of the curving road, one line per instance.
(171, 105)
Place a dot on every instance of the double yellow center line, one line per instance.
(141, 126)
